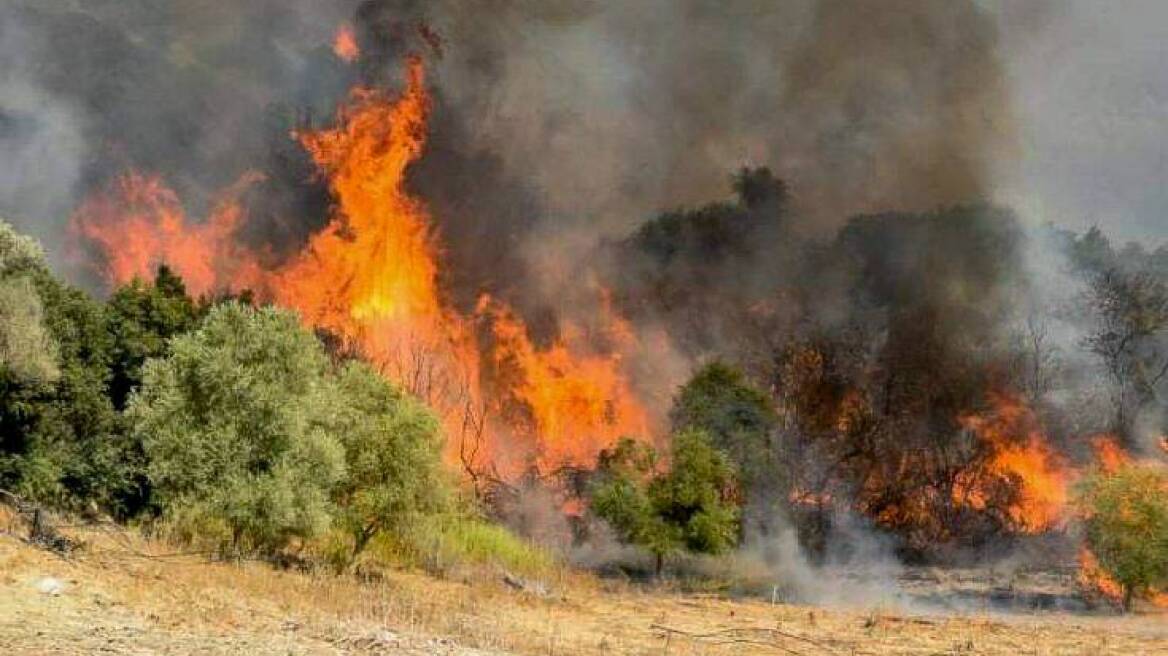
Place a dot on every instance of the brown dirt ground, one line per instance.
(123, 595)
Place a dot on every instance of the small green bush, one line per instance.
(740, 420)
(688, 508)
(1127, 526)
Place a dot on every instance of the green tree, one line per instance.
(58, 438)
(236, 423)
(1127, 526)
(690, 507)
(741, 422)
(142, 317)
(393, 452)
(738, 416)
(27, 350)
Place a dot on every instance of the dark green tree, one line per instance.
(142, 317)
(741, 422)
(58, 436)
(689, 507)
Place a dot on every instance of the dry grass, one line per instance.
(123, 595)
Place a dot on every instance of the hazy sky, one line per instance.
(1090, 81)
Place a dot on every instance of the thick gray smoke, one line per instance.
(565, 118)
(195, 92)
(615, 110)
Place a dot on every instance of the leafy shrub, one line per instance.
(235, 424)
(739, 420)
(689, 507)
(59, 442)
(254, 441)
(1127, 526)
(393, 453)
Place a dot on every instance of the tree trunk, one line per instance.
(1128, 595)
(362, 540)
(659, 565)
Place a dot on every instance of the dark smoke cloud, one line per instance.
(615, 110)
(555, 121)
(559, 123)
(197, 92)
(900, 104)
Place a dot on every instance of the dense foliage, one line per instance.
(58, 430)
(254, 440)
(690, 506)
(142, 318)
(237, 427)
(230, 423)
(392, 452)
(741, 422)
(1127, 526)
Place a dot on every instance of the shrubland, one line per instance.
(225, 427)
(231, 427)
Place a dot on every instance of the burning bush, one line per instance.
(1127, 527)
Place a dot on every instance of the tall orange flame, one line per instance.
(375, 261)
(1022, 458)
(371, 276)
(138, 224)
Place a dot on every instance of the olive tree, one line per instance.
(393, 452)
(237, 425)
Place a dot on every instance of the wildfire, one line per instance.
(578, 403)
(345, 44)
(1109, 455)
(375, 261)
(371, 276)
(1092, 576)
(1021, 457)
(138, 224)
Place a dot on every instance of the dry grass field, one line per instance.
(121, 594)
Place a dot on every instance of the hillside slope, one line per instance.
(121, 595)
